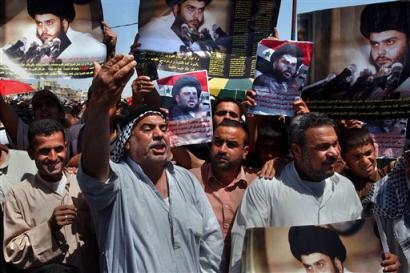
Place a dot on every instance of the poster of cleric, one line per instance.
(361, 61)
(186, 96)
(343, 247)
(50, 39)
(281, 71)
(217, 35)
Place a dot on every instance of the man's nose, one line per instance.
(333, 151)
(52, 155)
(382, 50)
(157, 133)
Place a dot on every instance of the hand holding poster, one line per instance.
(187, 98)
(47, 38)
(281, 71)
(342, 247)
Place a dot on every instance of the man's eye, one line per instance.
(164, 128)
(390, 42)
(221, 113)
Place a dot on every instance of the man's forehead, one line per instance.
(227, 105)
(229, 133)
(194, 3)
(45, 17)
(289, 58)
(386, 35)
(155, 119)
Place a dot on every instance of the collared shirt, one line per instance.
(28, 239)
(288, 201)
(224, 199)
(138, 232)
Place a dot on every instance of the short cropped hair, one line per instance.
(305, 240)
(220, 100)
(301, 123)
(287, 49)
(354, 137)
(186, 81)
(45, 127)
(385, 16)
(64, 9)
(235, 124)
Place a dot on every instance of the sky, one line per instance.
(123, 16)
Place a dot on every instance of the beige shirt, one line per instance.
(28, 239)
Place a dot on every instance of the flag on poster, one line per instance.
(281, 71)
(186, 96)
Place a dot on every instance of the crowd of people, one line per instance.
(96, 187)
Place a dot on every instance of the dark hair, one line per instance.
(287, 49)
(301, 123)
(64, 9)
(274, 129)
(235, 124)
(305, 240)
(41, 94)
(45, 127)
(385, 16)
(221, 100)
(171, 3)
(186, 81)
(354, 137)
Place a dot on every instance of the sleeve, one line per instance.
(100, 194)
(22, 136)
(211, 243)
(26, 246)
(254, 211)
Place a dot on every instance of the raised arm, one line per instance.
(107, 86)
(9, 118)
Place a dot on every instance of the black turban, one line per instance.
(385, 16)
(305, 240)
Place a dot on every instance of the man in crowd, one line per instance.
(179, 30)
(285, 61)
(186, 93)
(150, 215)
(386, 27)
(225, 179)
(47, 224)
(53, 19)
(319, 249)
(359, 154)
(45, 105)
(308, 191)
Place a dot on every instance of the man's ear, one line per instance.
(64, 24)
(127, 146)
(296, 151)
(245, 152)
(177, 98)
(338, 265)
(175, 9)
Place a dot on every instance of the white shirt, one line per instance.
(288, 201)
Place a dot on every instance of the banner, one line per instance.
(50, 39)
(186, 96)
(361, 62)
(343, 247)
(281, 72)
(219, 36)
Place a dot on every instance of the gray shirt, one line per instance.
(288, 201)
(138, 232)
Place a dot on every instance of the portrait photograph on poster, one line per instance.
(361, 61)
(219, 36)
(51, 39)
(186, 96)
(341, 247)
(281, 71)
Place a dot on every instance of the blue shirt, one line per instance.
(139, 232)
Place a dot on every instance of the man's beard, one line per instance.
(405, 61)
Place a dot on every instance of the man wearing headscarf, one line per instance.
(150, 216)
